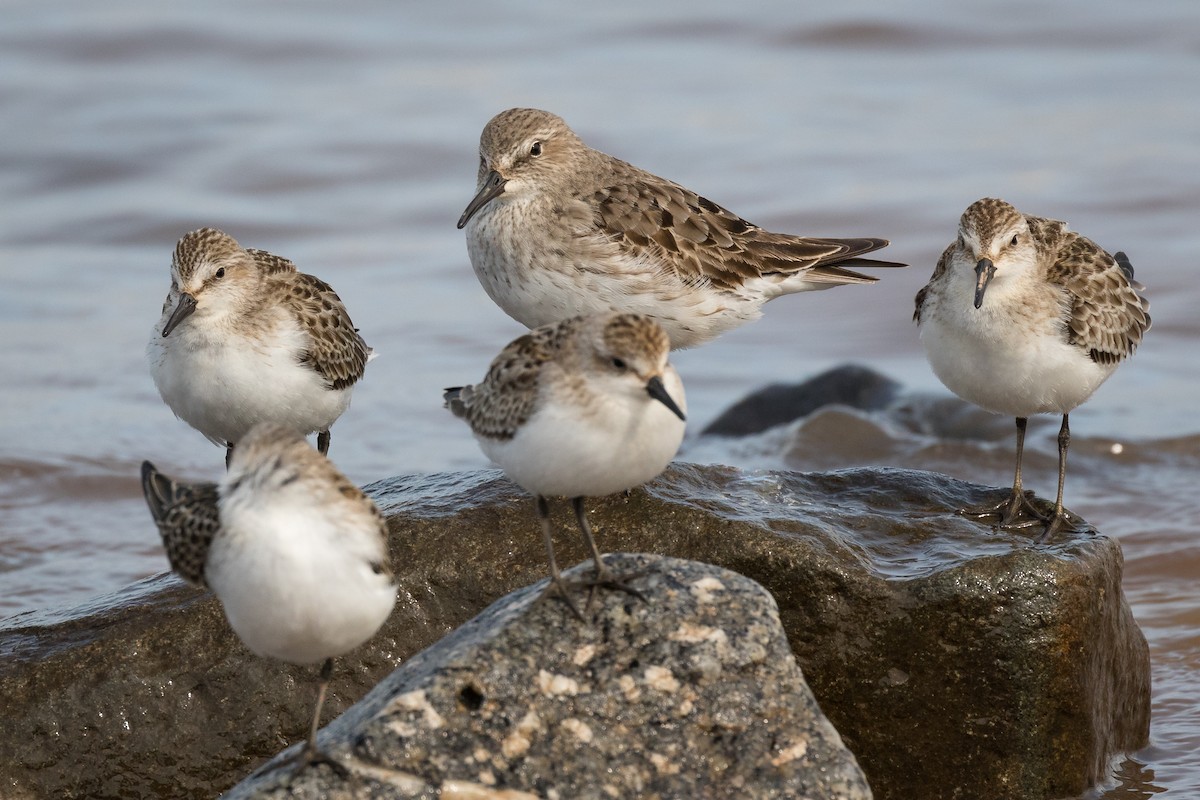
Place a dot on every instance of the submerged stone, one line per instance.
(778, 404)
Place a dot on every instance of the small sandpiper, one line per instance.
(1023, 317)
(583, 408)
(557, 229)
(296, 553)
(244, 338)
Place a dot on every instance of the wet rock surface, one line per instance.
(955, 661)
(692, 693)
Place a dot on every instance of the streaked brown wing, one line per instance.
(187, 520)
(335, 349)
(507, 396)
(699, 239)
(1107, 316)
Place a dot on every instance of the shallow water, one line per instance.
(345, 138)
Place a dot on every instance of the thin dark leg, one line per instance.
(1011, 509)
(323, 443)
(312, 754)
(603, 577)
(228, 453)
(556, 581)
(1056, 524)
(586, 528)
(322, 689)
(1022, 423)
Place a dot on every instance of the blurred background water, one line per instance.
(344, 136)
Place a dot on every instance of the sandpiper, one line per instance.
(296, 553)
(557, 229)
(583, 408)
(244, 338)
(1023, 316)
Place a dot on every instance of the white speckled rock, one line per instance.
(693, 693)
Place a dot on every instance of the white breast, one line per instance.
(222, 382)
(292, 583)
(621, 443)
(1012, 355)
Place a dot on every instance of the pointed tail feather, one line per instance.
(455, 398)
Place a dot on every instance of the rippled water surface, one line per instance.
(344, 137)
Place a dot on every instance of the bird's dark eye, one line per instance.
(536, 149)
(1014, 240)
(220, 273)
(619, 363)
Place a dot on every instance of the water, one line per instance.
(344, 137)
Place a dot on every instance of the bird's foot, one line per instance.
(1016, 511)
(1065, 521)
(604, 578)
(311, 756)
(600, 578)
(308, 756)
(561, 590)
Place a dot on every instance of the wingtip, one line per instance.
(1123, 263)
(150, 474)
(156, 489)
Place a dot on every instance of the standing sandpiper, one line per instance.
(557, 229)
(296, 553)
(244, 338)
(583, 408)
(1024, 317)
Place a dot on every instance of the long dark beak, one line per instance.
(493, 187)
(984, 271)
(187, 304)
(655, 388)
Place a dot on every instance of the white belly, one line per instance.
(224, 386)
(1007, 368)
(560, 453)
(293, 591)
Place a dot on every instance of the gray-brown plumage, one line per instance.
(558, 229)
(1023, 316)
(187, 520)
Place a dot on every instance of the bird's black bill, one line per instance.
(655, 388)
(493, 187)
(984, 271)
(187, 304)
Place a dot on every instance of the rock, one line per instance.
(692, 693)
(145, 689)
(866, 395)
(954, 661)
(848, 385)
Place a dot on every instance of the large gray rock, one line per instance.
(956, 662)
(693, 693)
